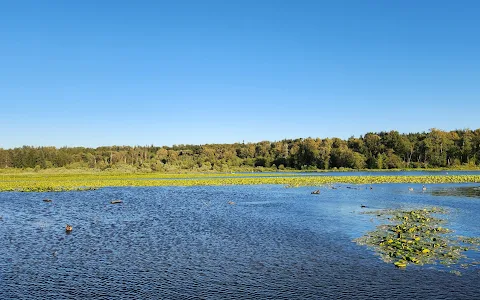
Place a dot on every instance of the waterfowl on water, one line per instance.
(363, 206)
(68, 228)
(47, 200)
(315, 192)
(424, 188)
(410, 189)
(116, 201)
(231, 202)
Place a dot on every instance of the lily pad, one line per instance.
(416, 237)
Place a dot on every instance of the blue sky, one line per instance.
(91, 73)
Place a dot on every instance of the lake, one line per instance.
(190, 243)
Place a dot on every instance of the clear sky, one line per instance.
(91, 73)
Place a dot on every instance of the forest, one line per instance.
(381, 150)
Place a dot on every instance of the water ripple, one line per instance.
(189, 243)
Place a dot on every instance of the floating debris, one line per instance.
(231, 202)
(417, 237)
(315, 192)
(116, 201)
(47, 200)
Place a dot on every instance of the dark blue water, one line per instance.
(189, 243)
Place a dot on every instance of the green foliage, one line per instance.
(382, 150)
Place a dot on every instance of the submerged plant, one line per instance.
(417, 237)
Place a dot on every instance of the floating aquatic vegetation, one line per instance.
(76, 182)
(464, 191)
(418, 237)
(469, 240)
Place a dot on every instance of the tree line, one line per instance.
(381, 150)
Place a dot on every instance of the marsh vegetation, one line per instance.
(84, 182)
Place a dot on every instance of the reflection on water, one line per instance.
(188, 242)
(463, 191)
